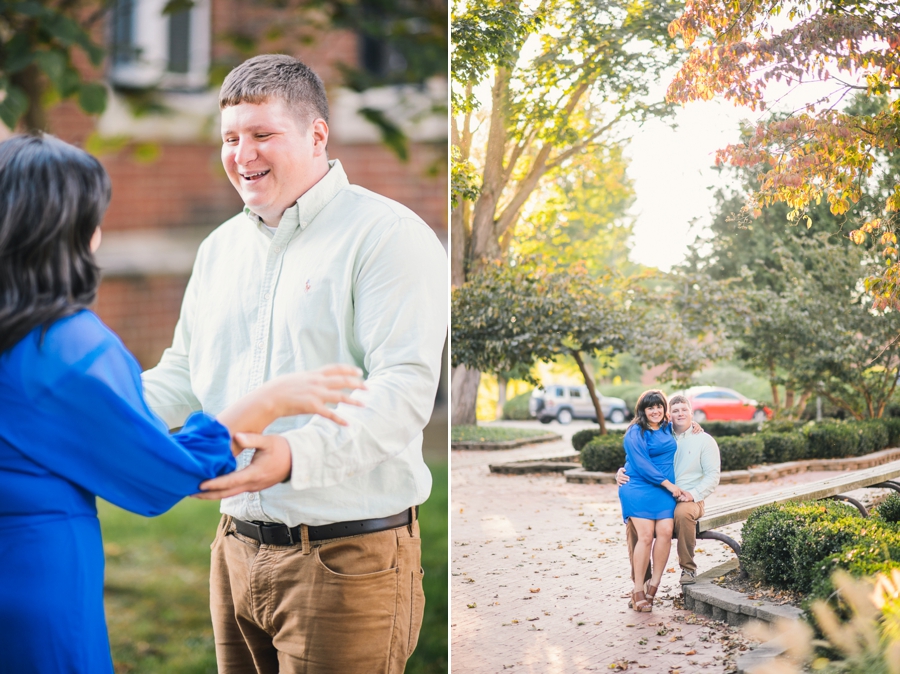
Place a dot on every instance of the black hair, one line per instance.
(52, 199)
(649, 398)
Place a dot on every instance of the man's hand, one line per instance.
(270, 465)
(686, 497)
(621, 477)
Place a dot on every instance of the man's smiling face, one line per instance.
(269, 158)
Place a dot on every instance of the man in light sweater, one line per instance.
(316, 566)
(697, 469)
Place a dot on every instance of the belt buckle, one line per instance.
(290, 535)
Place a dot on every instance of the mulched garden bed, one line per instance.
(757, 590)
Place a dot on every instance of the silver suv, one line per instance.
(564, 403)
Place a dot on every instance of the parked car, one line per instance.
(724, 404)
(564, 403)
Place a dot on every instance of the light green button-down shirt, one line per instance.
(697, 464)
(348, 277)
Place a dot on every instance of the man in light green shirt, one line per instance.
(316, 563)
(697, 470)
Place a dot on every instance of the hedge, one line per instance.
(783, 447)
(581, 438)
(797, 546)
(737, 453)
(832, 440)
(889, 508)
(727, 429)
(516, 408)
(605, 454)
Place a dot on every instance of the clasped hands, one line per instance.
(676, 491)
(288, 395)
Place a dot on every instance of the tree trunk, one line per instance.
(463, 395)
(31, 80)
(501, 395)
(801, 404)
(589, 382)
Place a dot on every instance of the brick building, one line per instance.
(159, 141)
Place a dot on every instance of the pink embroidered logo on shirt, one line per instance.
(308, 286)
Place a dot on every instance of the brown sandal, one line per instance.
(640, 603)
(650, 592)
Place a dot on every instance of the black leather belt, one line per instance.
(270, 533)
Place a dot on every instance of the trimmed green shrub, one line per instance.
(738, 453)
(581, 438)
(782, 426)
(873, 436)
(727, 429)
(774, 534)
(892, 425)
(889, 508)
(516, 408)
(798, 546)
(605, 453)
(782, 447)
(831, 440)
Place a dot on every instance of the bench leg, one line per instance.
(890, 484)
(849, 499)
(727, 540)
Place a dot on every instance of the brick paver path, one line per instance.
(539, 568)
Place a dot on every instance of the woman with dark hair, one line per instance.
(648, 499)
(73, 421)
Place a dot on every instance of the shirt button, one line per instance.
(259, 345)
(252, 497)
(277, 249)
(268, 296)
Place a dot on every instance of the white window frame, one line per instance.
(151, 40)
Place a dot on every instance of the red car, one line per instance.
(724, 404)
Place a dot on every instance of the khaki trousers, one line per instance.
(686, 515)
(339, 606)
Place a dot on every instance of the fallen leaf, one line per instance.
(691, 652)
(473, 605)
(534, 590)
(671, 569)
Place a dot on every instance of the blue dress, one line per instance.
(649, 460)
(74, 424)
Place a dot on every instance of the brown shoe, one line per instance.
(650, 591)
(640, 603)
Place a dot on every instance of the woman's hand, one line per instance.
(674, 489)
(696, 428)
(308, 392)
(621, 477)
(292, 394)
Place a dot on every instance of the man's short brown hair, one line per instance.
(676, 399)
(261, 78)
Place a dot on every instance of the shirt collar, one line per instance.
(310, 203)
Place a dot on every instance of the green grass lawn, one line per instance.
(157, 586)
(493, 433)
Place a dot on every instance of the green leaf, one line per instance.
(53, 63)
(64, 29)
(92, 98)
(19, 54)
(30, 9)
(175, 6)
(13, 106)
(69, 82)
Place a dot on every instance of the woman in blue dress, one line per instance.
(73, 421)
(648, 498)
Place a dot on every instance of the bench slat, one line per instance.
(739, 510)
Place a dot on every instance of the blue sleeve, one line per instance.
(639, 458)
(87, 422)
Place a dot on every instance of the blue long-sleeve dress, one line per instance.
(74, 424)
(649, 461)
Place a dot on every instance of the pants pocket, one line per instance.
(417, 609)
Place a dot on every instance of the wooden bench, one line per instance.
(739, 510)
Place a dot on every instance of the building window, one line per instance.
(153, 49)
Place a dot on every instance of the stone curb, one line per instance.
(720, 603)
(506, 444)
(558, 464)
(763, 473)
